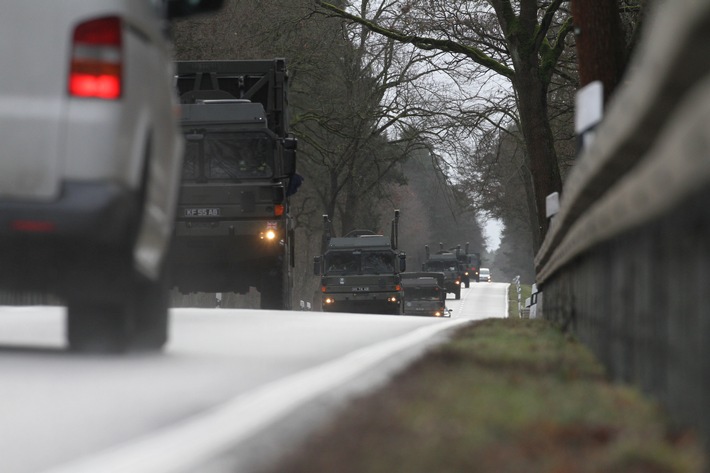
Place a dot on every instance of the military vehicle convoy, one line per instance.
(233, 229)
(424, 294)
(360, 272)
(445, 262)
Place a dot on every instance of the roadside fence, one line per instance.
(626, 262)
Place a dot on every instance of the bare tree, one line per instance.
(518, 41)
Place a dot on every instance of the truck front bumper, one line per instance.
(374, 303)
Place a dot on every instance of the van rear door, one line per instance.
(32, 96)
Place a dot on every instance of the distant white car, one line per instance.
(90, 162)
(484, 275)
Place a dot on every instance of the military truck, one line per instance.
(360, 272)
(233, 229)
(473, 265)
(445, 262)
(470, 262)
(424, 294)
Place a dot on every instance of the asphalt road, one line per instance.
(225, 378)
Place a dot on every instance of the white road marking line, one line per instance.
(194, 441)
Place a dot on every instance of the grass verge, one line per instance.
(504, 395)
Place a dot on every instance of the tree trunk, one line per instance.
(600, 43)
(531, 95)
(332, 194)
(349, 210)
(532, 218)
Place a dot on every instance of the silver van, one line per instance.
(90, 160)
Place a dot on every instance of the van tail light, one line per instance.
(96, 63)
(33, 226)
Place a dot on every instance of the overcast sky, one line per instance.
(491, 231)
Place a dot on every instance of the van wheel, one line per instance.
(97, 327)
(150, 314)
(139, 321)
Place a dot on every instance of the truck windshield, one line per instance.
(341, 263)
(438, 266)
(228, 156)
(378, 263)
(422, 294)
(366, 262)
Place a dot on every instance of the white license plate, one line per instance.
(203, 212)
(361, 289)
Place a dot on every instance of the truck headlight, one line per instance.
(268, 235)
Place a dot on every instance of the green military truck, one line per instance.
(424, 294)
(360, 272)
(470, 262)
(445, 262)
(233, 229)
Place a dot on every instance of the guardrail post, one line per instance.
(518, 290)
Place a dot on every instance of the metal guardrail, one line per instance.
(626, 262)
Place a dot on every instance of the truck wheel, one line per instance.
(286, 289)
(270, 299)
(272, 294)
(275, 288)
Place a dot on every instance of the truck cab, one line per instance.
(447, 263)
(360, 272)
(470, 264)
(424, 294)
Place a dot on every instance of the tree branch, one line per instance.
(549, 62)
(546, 22)
(424, 43)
